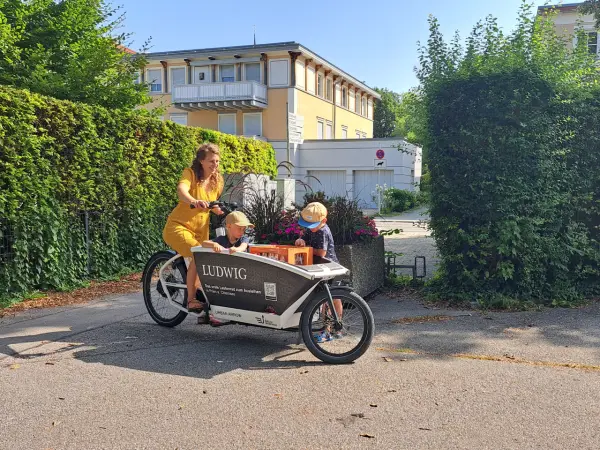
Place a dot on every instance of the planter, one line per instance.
(366, 262)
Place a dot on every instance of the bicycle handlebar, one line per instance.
(225, 206)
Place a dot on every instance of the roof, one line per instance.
(126, 49)
(561, 6)
(261, 48)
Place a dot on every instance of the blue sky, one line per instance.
(374, 41)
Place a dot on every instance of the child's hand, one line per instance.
(300, 243)
(218, 248)
(232, 250)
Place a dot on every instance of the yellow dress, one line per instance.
(187, 227)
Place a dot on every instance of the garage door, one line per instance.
(332, 182)
(365, 182)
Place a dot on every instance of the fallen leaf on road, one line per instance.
(359, 415)
(15, 366)
(386, 359)
(61, 398)
(303, 372)
(56, 422)
(392, 390)
(424, 429)
(102, 428)
(369, 436)
(204, 391)
(180, 407)
(49, 363)
(278, 395)
(373, 405)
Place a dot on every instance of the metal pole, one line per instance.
(87, 241)
(287, 128)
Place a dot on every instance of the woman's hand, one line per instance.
(202, 204)
(300, 243)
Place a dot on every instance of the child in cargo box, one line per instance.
(235, 240)
(314, 218)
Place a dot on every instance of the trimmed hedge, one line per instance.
(67, 166)
(516, 188)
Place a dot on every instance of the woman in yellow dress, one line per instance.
(188, 227)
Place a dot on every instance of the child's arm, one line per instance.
(241, 248)
(214, 245)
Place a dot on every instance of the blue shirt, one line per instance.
(321, 240)
(224, 241)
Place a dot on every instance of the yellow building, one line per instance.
(568, 18)
(247, 90)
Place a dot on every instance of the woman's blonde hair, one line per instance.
(215, 180)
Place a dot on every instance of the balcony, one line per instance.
(220, 96)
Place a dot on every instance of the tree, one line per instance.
(70, 50)
(591, 7)
(386, 113)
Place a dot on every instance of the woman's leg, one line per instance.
(193, 283)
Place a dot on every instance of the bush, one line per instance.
(514, 159)
(67, 166)
(273, 224)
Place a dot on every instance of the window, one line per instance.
(181, 119)
(227, 73)
(320, 126)
(279, 72)
(357, 104)
(227, 123)
(329, 89)
(253, 124)
(253, 72)
(320, 85)
(329, 130)
(364, 107)
(345, 97)
(344, 132)
(137, 77)
(154, 77)
(177, 76)
(592, 42)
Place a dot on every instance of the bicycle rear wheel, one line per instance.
(155, 297)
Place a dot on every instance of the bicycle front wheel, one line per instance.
(343, 343)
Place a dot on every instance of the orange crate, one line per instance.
(298, 256)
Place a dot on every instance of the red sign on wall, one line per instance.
(380, 154)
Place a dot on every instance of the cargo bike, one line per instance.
(276, 287)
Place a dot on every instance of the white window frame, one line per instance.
(234, 122)
(162, 87)
(287, 62)
(179, 115)
(320, 127)
(363, 107)
(138, 77)
(328, 130)
(329, 89)
(260, 75)
(344, 132)
(344, 97)
(221, 73)
(321, 85)
(185, 74)
(259, 114)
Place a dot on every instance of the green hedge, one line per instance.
(516, 183)
(65, 166)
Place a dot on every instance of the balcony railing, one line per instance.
(219, 92)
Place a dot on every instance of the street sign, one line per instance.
(295, 128)
(380, 154)
(379, 164)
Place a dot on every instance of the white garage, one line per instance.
(332, 182)
(351, 167)
(365, 184)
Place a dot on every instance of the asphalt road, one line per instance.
(103, 375)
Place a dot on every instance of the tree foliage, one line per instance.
(515, 161)
(70, 49)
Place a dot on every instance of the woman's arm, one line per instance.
(183, 192)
